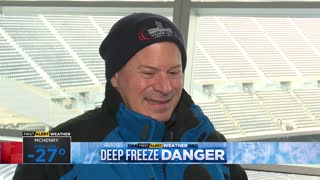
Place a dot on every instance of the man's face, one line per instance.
(151, 82)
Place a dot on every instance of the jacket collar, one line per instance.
(132, 126)
(137, 127)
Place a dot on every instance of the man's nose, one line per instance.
(163, 84)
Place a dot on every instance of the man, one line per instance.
(145, 59)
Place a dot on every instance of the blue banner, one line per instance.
(229, 153)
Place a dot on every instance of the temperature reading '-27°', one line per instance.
(47, 153)
(46, 149)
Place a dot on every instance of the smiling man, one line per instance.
(151, 82)
(145, 101)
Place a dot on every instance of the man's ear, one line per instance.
(114, 80)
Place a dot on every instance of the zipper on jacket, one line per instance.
(164, 169)
(153, 173)
(159, 171)
(144, 133)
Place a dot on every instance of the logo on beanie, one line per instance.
(157, 32)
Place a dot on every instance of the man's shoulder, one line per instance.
(92, 125)
(216, 136)
(86, 118)
(236, 171)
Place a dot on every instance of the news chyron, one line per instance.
(46, 147)
(163, 153)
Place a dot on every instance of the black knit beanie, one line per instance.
(134, 32)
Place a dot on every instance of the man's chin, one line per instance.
(161, 118)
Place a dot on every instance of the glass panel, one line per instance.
(258, 76)
(54, 61)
